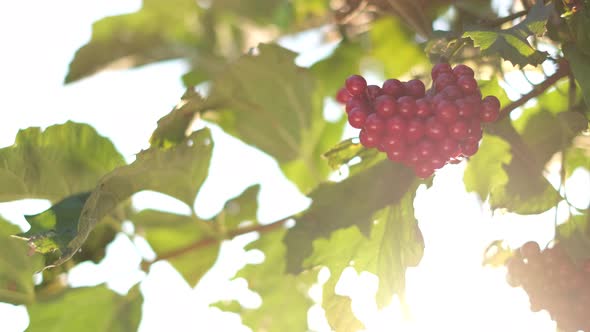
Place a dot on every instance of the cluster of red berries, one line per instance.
(554, 283)
(422, 129)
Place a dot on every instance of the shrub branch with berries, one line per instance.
(422, 129)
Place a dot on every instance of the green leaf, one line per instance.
(511, 44)
(172, 128)
(574, 236)
(576, 157)
(241, 209)
(191, 244)
(169, 233)
(16, 267)
(514, 184)
(52, 164)
(332, 71)
(178, 171)
(52, 230)
(260, 11)
(336, 253)
(276, 106)
(284, 297)
(91, 309)
(580, 65)
(514, 161)
(395, 244)
(352, 201)
(160, 30)
(395, 47)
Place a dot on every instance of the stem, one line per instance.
(212, 240)
(502, 20)
(562, 71)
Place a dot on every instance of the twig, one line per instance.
(203, 243)
(562, 71)
(501, 20)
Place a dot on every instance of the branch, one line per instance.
(562, 71)
(203, 243)
(502, 20)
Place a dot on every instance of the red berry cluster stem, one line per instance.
(422, 129)
(553, 283)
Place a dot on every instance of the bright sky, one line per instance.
(448, 291)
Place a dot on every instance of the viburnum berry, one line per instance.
(415, 130)
(356, 85)
(554, 283)
(342, 96)
(468, 84)
(421, 129)
(406, 106)
(447, 112)
(463, 70)
(435, 129)
(373, 91)
(357, 118)
(423, 108)
(368, 140)
(385, 106)
(374, 124)
(414, 88)
(393, 87)
(440, 68)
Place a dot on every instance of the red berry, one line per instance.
(458, 130)
(435, 129)
(397, 153)
(389, 142)
(442, 81)
(393, 87)
(357, 101)
(440, 68)
(423, 170)
(425, 149)
(423, 108)
(492, 100)
(447, 112)
(466, 109)
(452, 92)
(356, 85)
(530, 249)
(368, 140)
(463, 70)
(357, 118)
(469, 149)
(396, 126)
(415, 130)
(342, 96)
(373, 91)
(406, 106)
(437, 99)
(437, 161)
(412, 157)
(385, 106)
(468, 84)
(448, 147)
(489, 113)
(414, 88)
(374, 124)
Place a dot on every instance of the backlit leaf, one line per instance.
(178, 171)
(352, 201)
(284, 296)
(160, 30)
(511, 44)
(92, 309)
(16, 267)
(52, 164)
